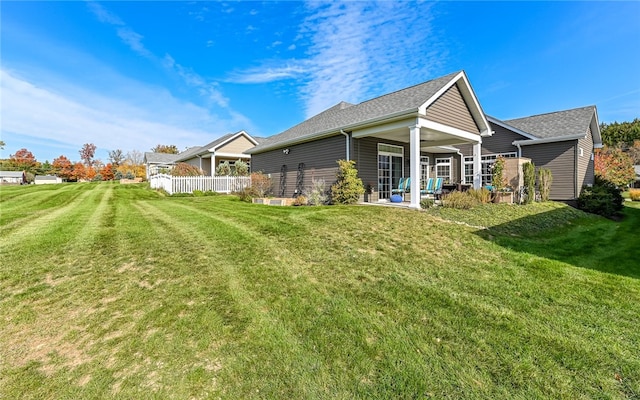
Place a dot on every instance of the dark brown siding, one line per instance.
(585, 161)
(499, 142)
(559, 157)
(450, 109)
(319, 158)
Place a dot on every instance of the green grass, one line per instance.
(113, 291)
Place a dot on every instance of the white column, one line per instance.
(477, 166)
(414, 166)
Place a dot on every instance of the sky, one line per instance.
(131, 75)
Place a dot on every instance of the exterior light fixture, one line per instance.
(285, 151)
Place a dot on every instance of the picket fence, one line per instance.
(187, 184)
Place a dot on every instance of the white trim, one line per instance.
(372, 130)
(549, 140)
(425, 123)
(232, 138)
(511, 128)
(231, 155)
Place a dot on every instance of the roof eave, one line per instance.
(333, 131)
(548, 140)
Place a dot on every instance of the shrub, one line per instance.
(300, 201)
(482, 195)
(246, 194)
(499, 181)
(211, 193)
(198, 193)
(260, 184)
(317, 193)
(634, 194)
(427, 203)
(529, 172)
(603, 198)
(97, 178)
(241, 168)
(223, 169)
(130, 175)
(118, 175)
(184, 169)
(544, 179)
(348, 187)
(459, 200)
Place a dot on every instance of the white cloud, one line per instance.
(357, 50)
(72, 115)
(292, 47)
(134, 41)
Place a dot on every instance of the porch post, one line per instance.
(414, 166)
(477, 166)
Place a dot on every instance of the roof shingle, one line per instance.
(556, 124)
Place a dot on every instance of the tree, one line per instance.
(78, 172)
(107, 172)
(614, 165)
(62, 167)
(116, 157)
(634, 152)
(166, 148)
(87, 152)
(241, 168)
(135, 157)
(45, 168)
(24, 160)
(620, 134)
(223, 169)
(348, 187)
(2, 144)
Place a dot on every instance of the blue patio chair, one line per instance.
(437, 187)
(400, 188)
(429, 188)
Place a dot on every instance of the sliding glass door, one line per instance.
(390, 168)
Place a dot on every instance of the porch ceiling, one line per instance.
(430, 139)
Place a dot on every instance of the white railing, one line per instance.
(187, 184)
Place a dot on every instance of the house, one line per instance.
(47, 179)
(228, 148)
(636, 182)
(409, 133)
(13, 177)
(561, 141)
(434, 129)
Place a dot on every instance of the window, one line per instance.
(581, 152)
(486, 163)
(443, 168)
(468, 170)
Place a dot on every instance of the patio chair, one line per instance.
(429, 188)
(400, 188)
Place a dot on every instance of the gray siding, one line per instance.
(585, 161)
(319, 158)
(450, 109)
(499, 142)
(559, 157)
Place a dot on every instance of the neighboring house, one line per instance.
(13, 177)
(230, 148)
(434, 129)
(636, 183)
(47, 179)
(408, 133)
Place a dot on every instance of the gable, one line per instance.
(452, 110)
(238, 145)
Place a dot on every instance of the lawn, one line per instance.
(114, 291)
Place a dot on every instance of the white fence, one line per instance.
(187, 184)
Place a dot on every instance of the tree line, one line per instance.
(621, 151)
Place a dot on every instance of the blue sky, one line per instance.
(130, 75)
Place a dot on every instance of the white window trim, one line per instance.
(445, 161)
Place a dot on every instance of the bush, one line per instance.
(211, 193)
(223, 169)
(499, 181)
(300, 201)
(184, 169)
(529, 172)
(198, 193)
(317, 193)
(603, 198)
(634, 194)
(544, 179)
(427, 203)
(246, 195)
(241, 168)
(482, 195)
(459, 200)
(348, 187)
(260, 184)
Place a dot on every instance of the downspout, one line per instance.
(348, 141)
(461, 170)
(519, 149)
